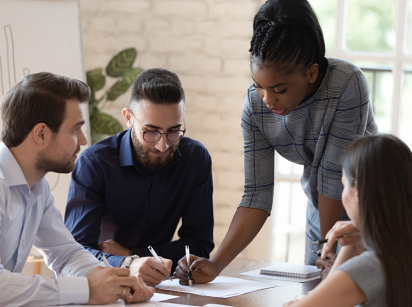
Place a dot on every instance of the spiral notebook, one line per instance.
(291, 270)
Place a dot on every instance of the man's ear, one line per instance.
(41, 134)
(128, 118)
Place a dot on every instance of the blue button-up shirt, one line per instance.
(112, 196)
(28, 217)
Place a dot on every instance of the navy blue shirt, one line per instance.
(112, 196)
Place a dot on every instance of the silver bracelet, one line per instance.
(129, 262)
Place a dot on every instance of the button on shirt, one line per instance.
(112, 196)
(316, 134)
(28, 217)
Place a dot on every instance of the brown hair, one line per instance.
(38, 98)
(382, 167)
(158, 86)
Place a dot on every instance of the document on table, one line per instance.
(256, 273)
(157, 297)
(174, 305)
(222, 287)
(118, 303)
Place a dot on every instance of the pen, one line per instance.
(316, 253)
(105, 261)
(153, 252)
(189, 275)
(318, 242)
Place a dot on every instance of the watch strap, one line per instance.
(129, 262)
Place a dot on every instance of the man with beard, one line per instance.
(42, 121)
(130, 190)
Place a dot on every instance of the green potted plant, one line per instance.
(119, 67)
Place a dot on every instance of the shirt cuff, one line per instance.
(116, 261)
(73, 290)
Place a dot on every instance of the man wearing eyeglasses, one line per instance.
(130, 190)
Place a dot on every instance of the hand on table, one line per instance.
(151, 271)
(107, 285)
(203, 270)
(341, 228)
(114, 248)
(326, 264)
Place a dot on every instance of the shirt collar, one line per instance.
(125, 151)
(9, 168)
(126, 156)
(11, 172)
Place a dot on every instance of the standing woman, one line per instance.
(306, 107)
(377, 194)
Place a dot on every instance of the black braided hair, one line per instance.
(287, 33)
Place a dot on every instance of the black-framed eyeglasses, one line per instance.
(153, 136)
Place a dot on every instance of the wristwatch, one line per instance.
(129, 262)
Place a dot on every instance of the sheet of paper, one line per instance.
(118, 303)
(280, 278)
(157, 297)
(222, 287)
(153, 304)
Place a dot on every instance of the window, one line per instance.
(376, 36)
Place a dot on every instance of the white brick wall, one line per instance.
(206, 43)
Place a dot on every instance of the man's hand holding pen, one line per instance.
(150, 270)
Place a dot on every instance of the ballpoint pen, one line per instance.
(189, 274)
(105, 261)
(316, 253)
(318, 242)
(153, 252)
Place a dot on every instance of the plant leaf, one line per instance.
(119, 88)
(92, 102)
(95, 79)
(130, 74)
(104, 123)
(120, 62)
(92, 109)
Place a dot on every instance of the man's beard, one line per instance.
(47, 163)
(144, 158)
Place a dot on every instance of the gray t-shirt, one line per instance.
(316, 134)
(367, 272)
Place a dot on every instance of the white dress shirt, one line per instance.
(28, 217)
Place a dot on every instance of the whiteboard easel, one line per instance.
(42, 36)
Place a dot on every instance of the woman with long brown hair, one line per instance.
(374, 267)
